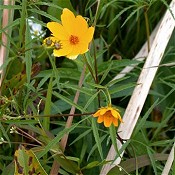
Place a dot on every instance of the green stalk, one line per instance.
(89, 67)
(147, 28)
(22, 24)
(47, 109)
(96, 72)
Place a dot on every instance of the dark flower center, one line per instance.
(73, 40)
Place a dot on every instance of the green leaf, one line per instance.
(10, 26)
(9, 169)
(129, 165)
(67, 100)
(95, 145)
(92, 164)
(67, 164)
(52, 143)
(116, 88)
(153, 160)
(64, 73)
(141, 122)
(113, 82)
(59, 5)
(4, 133)
(81, 136)
(112, 132)
(47, 109)
(28, 53)
(97, 137)
(106, 72)
(91, 99)
(35, 11)
(10, 7)
(13, 84)
(116, 64)
(27, 163)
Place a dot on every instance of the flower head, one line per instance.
(73, 35)
(35, 29)
(108, 115)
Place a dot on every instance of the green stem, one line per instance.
(23, 23)
(147, 28)
(96, 71)
(95, 64)
(15, 117)
(89, 67)
(109, 98)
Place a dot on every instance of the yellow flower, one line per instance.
(73, 35)
(108, 115)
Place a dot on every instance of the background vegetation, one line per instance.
(36, 87)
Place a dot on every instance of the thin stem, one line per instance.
(109, 97)
(147, 28)
(17, 117)
(89, 67)
(72, 111)
(96, 71)
(28, 135)
(63, 143)
(96, 15)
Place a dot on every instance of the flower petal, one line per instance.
(78, 49)
(107, 121)
(65, 50)
(36, 27)
(100, 119)
(96, 114)
(68, 21)
(72, 57)
(103, 111)
(115, 113)
(89, 35)
(57, 30)
(115, 122)
(81, 26)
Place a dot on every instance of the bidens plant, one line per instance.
(71, 37)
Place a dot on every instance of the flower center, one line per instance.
(108, 115)
(48, 42)
(57, 45)
(73, 40)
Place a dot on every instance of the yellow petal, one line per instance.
(115, 113)
(68, 21)
(65, 50)
(88, 35)
(84, 48)
(100, 119)
(96, 114)
(115, 122)
(103, 111)
(78, 49)
(107, 121)
(81, 26)
(57, 30)
(72, 57)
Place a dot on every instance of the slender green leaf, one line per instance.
(129, 165)
(97, 137)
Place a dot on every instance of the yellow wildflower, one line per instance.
(108, 115)
(72, 36)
